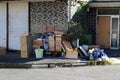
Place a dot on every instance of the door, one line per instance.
(103, 31)
(3, 21)
(18, 23)
(114, 32)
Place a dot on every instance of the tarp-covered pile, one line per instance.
(92, 53)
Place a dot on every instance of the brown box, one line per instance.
(26, 45)
(58, 40)
(2, 52)
(72, 54)
(59, 32)
(38, 43)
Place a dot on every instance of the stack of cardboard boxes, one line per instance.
(58, 40)
(26, 45)
(51, 43)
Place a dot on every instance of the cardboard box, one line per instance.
(51, 43)
(38, 43)
(59, 33)
(58, 40)
(26, 45)
(67, 46)
(72, 54)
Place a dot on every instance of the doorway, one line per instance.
(108, 31)
(103, 31)
(13, 23)
(18, 23)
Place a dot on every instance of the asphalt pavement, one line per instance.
(111, 72)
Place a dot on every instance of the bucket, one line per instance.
(39, 53)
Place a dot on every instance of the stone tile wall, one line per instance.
(44, 14)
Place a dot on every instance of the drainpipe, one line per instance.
(69, 10)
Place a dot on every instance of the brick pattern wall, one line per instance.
(44, 14)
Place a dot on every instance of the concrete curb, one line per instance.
(41, 65)
(15, 65)
(33, 65)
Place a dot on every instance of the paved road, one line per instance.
(74, 73)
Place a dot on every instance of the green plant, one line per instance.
(98, 63)
(78, 27)
(74, 31)
(86, 39)
(81, 17)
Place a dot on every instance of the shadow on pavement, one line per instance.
(113, 52)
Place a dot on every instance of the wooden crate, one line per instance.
(67, 46)
(58, 40)
(51, 43)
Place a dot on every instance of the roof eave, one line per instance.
(104, 4)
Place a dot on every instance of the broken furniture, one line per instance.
(82, 51)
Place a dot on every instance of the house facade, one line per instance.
(104, 22)
(30, 16)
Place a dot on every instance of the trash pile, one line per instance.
(99, 55)
(51, 42)
(92, 52)
(43, 43)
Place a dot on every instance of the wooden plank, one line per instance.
(67, 46)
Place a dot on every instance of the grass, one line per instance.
(98, 63)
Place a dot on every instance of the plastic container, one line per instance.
(39, 53)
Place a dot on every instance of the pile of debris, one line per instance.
(44, 42)
(93, 53)
(51, 42)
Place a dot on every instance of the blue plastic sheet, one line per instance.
(98, 54)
